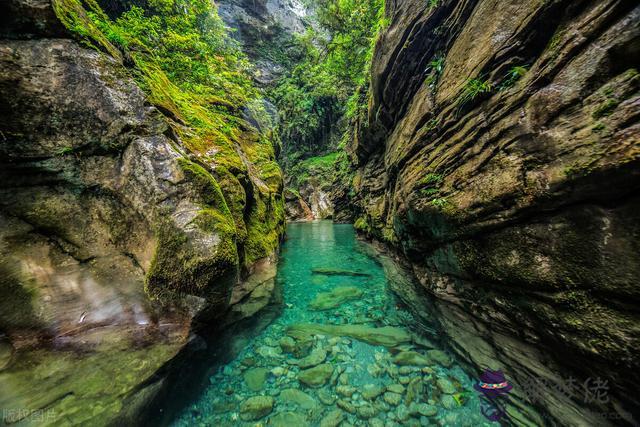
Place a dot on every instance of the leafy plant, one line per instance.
(472, 89)
(514, 74)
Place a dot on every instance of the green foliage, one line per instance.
(440, 203)
(472, 89)
(331, 77)
(606, 108)
(436, 66)
(322, 168)
(183, 59)
(430, 183)
(433, 3)
(514, 74)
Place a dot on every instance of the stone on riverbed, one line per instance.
(288, 419)
(255, 378)
(440, 357)
(256, 407)
(332, 419)
(392, 398)
(366, 411)
(316, 357)
(298, 397)
(335, 298)
(336, 272)
(326, 397)
(387, 336)
(287, 344)
(316, 376)
(371, 391)
(446, 386)
(412, 358)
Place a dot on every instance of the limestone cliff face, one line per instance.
(108, 243)
(501, 156)
(264, 29)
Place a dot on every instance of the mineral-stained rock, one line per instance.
(256, 407)
(335, 298)
(316, 376)
(517, 206)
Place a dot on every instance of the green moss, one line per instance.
(265, 226)
(205, 184)
(606, 108)
(75, 18)
(179, 268)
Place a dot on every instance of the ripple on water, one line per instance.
(285, 377)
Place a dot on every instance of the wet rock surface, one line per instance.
(501, 160)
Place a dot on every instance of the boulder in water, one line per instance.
(288, 419)
(335, 298)
(412, 358)
(255, 378)
(332, 419)
(256, 407)
(387, 336)
(316, 376)
(298, 397)
(338, 272)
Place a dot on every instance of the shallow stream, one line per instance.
(342, 351)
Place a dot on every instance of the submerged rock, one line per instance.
(346, 405)
(316, 376)
(441, 357)
(288, 419)
(414, 390)
(326, 397)
(256, 407)
(298, 397)
(391, 398)
(335, 298)
(446, 386)
(287, 344)
(387, 336)
(332, 419)
(317, 356)
(371, 391)
(337, 272)
(255, 378)
(366, 411)
(412, 358)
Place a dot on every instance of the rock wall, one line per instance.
(500, 157)
(112, 235)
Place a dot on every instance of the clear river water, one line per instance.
(341, 351)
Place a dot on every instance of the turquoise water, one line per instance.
(340, 353)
